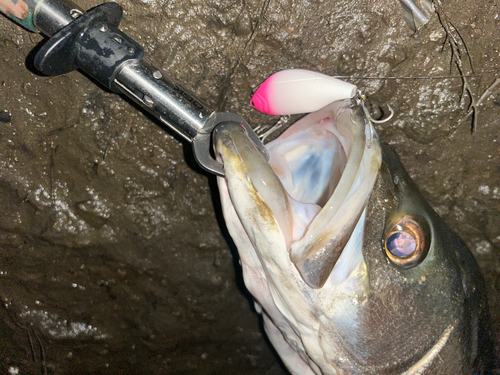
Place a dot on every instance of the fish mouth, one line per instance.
(312, 192)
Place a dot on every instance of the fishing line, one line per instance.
(425, 77)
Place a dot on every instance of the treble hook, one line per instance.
(360, 99)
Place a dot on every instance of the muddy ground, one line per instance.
(115, 258)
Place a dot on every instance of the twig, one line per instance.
(459, 48)
(42, 350)
(471, 111)
(488, 91)
(32, 347)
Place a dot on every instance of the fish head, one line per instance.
(353, 271)
(427, 294)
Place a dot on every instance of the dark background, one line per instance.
(114, 254)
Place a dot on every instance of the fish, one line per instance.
(351, 269)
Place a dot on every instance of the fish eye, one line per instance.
(407, 243)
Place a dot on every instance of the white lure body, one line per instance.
(294, 91)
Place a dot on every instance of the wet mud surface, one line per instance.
(115, 259)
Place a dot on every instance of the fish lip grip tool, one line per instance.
(92, 42)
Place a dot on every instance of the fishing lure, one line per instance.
(294, 91)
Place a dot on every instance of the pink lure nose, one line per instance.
(259, 102)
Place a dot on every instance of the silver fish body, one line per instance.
(352, 270)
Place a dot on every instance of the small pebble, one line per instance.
(483, 247)
(5, 116)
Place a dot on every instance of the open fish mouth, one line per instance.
(312, 192)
